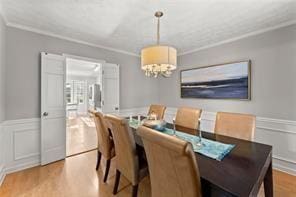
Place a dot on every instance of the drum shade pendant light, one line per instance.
(158, 59)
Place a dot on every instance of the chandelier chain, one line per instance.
(158, 27)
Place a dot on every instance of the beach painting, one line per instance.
(225, 81)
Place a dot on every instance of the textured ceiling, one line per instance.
(129, 25)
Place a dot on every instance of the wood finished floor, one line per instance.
(81, 135)
(76, 177)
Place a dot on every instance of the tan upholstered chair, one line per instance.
(172, 165)
(187, 120)
(127, 159)
(235, 125)
(158, 110)
(105, 141)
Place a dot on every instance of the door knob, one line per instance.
(45, 114)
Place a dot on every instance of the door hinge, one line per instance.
(102, 102)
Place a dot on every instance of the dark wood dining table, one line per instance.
(240, 173)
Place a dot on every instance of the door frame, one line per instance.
(99, 61)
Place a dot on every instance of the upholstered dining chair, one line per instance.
(187, 120)
(235, 125)
(172, 165)
(128, 162)
(159, 110)
(105, 141)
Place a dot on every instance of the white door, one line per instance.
(110, 88)
(53, 108)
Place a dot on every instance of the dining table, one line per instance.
(240, 173)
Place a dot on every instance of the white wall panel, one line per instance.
(22, 139)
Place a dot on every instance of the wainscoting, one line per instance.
(281, 134)
(22, 144)
(21, 139)
(2, 173)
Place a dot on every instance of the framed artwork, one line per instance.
(223, 81)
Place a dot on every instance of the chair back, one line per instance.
(235, 125)
(187, 120)
(103, 135)
(158, 110)
(172, 165)
(125, 147)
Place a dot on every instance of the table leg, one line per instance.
(268, 182)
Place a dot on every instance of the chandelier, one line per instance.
(158, 59)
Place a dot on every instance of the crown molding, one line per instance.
(2, 14)
(240, 37)
(47, 33)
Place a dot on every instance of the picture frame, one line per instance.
(220, 81)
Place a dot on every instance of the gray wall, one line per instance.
(23, 72)
(2, 69)
(2, 90)
(273, 56)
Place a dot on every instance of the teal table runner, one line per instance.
(213, 149)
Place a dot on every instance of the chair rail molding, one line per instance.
(21, 139)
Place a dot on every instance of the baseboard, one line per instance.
(2, 163)
(284, 165)
(2, 175)
(22, 166)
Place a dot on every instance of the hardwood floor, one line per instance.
(81, 135)
(76, 176)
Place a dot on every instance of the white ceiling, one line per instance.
(129, 25)
(81, 68)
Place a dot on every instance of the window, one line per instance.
(75, 92)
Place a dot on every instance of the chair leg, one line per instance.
(135, 190)
(98, 160)
(117, 178)
(107, 170)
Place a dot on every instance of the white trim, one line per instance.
(284, 159)
(284, 168)
(22, 166)
(279, 121)
(133, 111)
(2, 164)
(20, 121)
(281, 160)
(47, 33)
(83, 58)
(268, 130)
(2, 175)
(2, 14)
(17, 159)
(276, 130)
(285, 24)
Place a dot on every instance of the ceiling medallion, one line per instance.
(158, 59)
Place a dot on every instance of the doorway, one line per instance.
(70, 86)
(83, 92)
